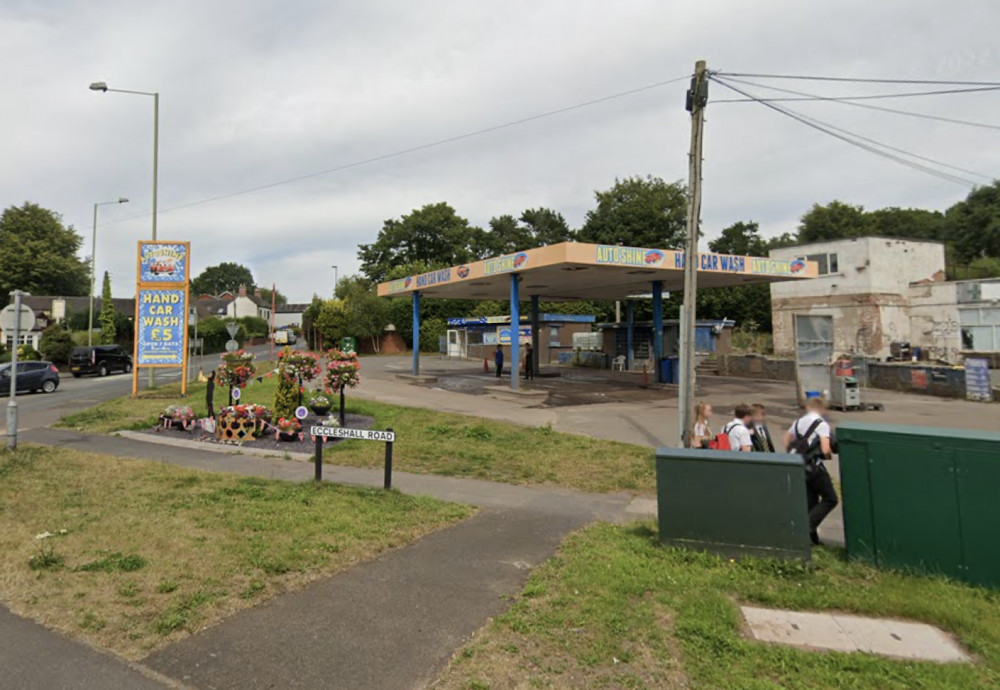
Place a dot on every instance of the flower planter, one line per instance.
(233, 430)
(320, 410)
(288, 436)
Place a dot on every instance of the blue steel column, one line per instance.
(535, 336)
(629, 334)
(657, 325)
(416, 332)
(515, 332)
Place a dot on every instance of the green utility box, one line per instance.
(348, 344)
(733, 503)
(922, 498)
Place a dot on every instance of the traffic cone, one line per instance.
(486, 365)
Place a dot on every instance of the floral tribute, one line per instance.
(288, 429)
(343, 370)
(177, 415)
(236, 369)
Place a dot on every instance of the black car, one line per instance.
(99, 359)
(31, 376)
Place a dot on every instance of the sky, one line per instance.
(255, 92)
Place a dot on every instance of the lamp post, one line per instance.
(93, 262)
(103, 87)
(336, 279)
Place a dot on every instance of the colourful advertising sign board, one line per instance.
(505, 264)
(161, 327)
(163, 262)
(776, 267)
(977, 379)
(628, 256)
(504, 335)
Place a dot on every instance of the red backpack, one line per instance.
(720, 442)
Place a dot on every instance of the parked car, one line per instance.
(31, 376)
(99, 359)
(284, 336)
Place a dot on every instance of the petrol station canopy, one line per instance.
(578, 271)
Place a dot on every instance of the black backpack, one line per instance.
(810, 452)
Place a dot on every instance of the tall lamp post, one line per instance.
(336, 279)
(103, 87)
(93, 262)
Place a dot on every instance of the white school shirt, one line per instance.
(802, 425)
(739, 435)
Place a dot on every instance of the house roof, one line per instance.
(78, 305)
(296, 308)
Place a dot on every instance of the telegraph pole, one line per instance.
(697, 98)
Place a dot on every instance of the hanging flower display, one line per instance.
(235, 369)
(343, 370)
(297, 365)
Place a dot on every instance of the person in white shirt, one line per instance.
(738, 431)
(816, 432)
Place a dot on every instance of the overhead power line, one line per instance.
(859, 80)
(412, 149)
(842, 101)
(853, 139)
(868, 97)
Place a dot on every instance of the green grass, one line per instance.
(429, 442)
(615, 609)
(152, 552)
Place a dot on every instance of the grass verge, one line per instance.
(614, 609)
(429, 442)
(141, 553)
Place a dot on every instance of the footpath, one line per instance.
(390, 623)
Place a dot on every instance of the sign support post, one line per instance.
(12, 403)
(387, 482)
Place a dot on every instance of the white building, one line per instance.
(244, 305)
(883, 290)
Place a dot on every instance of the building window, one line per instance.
(980, 329)
(554, 336)
(828, 263)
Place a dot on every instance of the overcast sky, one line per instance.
(254, 92)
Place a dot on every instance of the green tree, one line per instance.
(639, 212)
(546, 226)
(748, 305)
(109, 331)
(56, 343)
(974, 224)
(366, 314)
(279, 299)
(215, 280)
(434, 235)
(38, 253)
(912, 223)
(834, 221)
(332, 321)
(286, 397)
(740, 238)
(505, 236)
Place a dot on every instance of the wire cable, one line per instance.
(834, 99)
(412, 149)
(868, 97)
(859, 80)
(815, 124)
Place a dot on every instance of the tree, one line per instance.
(331, 321)
(912, 223)
(974, 224)
(546, 226)
(434, 235)
(279, 299)
(505, 236)
(748, 305)
(366, 314)
(835, 221)
(740, 238)
(38, 253)
(215, 280)
(56, 343)
(109, 331)
(638, 212)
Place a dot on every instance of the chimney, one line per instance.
(256, 292)
(243, 290)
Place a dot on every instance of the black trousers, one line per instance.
(821, 497)
(529, 371)
(499, 370)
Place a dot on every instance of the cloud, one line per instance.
(253, 92)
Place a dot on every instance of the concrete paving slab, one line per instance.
(845, 633)
(811, 630)
(901, 639)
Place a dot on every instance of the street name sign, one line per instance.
(355, 434)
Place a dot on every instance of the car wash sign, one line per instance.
(161, 307)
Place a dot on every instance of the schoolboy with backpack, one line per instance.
(810, 438)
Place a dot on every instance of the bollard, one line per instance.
(388, 463)
(319, 458)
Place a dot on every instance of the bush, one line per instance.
(213, 330)
(255, 327)
(26, 353)
(286, 398)
(56, 344)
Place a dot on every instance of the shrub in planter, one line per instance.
(319, 403)
(288, 429)
(179, 416)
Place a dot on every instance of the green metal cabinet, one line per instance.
(922, 498)
(732, 503)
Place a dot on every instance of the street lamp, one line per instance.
(336, 279)
(93, 262)
(103, 87)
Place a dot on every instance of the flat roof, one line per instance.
(575, 271)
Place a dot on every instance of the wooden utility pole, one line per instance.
(697, 98)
